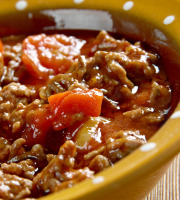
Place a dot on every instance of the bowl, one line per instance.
(155, 23)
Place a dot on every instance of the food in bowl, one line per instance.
(71, 106)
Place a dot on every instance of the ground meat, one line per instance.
(60, 83)
(17, 148)
(77, 176)
(89, 74)
(133, 58)
(160, 95)
(10, 96)
(115, 71)
(99, 163)
(14, 187)
(138, 112)
(60, 170)
(25, 169)
(102, 61)
(145, 115)
(68, 81)
(94, 153)
(128, 136)
(10, 151)
(136, 67)
(38, 154)
(12, 60)
(114, 149)
(4, 148)
(18, 115)
(104, 42)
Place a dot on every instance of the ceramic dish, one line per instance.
(154, 22)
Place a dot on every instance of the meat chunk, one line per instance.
(25, 169)
(105, 42)
(36, 153)
(114, 149)
(136, 66)
(22, 115)
(99, 163)
(133, 58)
(12, 62)
(138, 112)
(60, 171)
(4, 148)
(17, 147)
(112, 67)
(157, 101)
(10, 97)
(68, 81)
(160, 95)
(123, 143)
(9, 151)
(61, 83)
(14, 187)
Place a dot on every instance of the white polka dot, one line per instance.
(148, 147)
(98, 179)
(78, 1)
(128, 5)
(175, 115)
(21, 5)
(169, 20)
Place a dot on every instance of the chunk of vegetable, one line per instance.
(46, 55)
(37, 126)
(89, 136)
(65, 105)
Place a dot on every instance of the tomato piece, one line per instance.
(56, 99)
(46, 55)
(76, 101)
(66, 104)
(37, 126)
(33, 135)
(59, 113)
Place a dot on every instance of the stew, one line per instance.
(71, 106)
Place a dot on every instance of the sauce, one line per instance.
(72, 106)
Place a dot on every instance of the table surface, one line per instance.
(169, 186)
